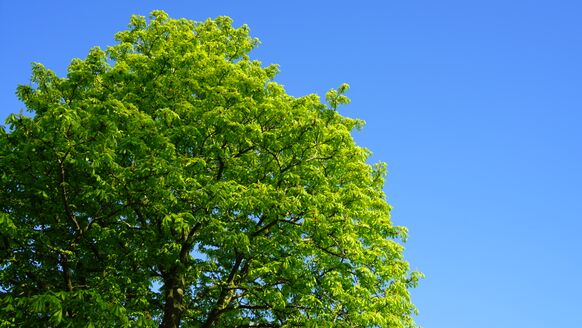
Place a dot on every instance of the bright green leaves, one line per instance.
(178, 225)
(336, 97)
(172, 160)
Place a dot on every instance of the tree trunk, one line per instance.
(174, 285)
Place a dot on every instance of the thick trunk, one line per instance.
(174, 285)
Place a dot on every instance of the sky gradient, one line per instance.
(476, 106)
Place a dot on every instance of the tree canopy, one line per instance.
(170, 181)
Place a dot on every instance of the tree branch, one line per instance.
(65, 197)
(225, 294)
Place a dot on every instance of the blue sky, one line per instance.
(476, 106)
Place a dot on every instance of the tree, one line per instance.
(169, 181)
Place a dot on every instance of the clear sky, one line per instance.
(475, 105)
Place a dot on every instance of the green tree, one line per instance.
(169, 181)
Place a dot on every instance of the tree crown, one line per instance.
(169, 180)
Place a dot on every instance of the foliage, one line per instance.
(169, 181)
